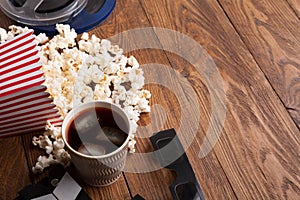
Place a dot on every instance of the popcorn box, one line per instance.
(24, 104)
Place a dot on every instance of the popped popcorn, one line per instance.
(16, 30)
(62, 158)
(54, 147)
(41, 38)
(4, 36)
(96, 70)
(44, 142)
(81, 71)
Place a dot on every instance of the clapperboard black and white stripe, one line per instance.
(67, 189)
(59, 185)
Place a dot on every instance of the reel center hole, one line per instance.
(48, 6)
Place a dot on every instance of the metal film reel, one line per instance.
(42, 15)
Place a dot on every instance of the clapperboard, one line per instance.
(57, 185)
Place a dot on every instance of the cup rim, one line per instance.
(84, 106)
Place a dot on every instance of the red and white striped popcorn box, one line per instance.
(24, 104)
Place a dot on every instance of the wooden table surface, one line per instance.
(254, 49)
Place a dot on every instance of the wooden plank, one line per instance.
(148, 185)
(14, 174)
(264, 158)
(116, 191)
(259, 147)
(33, 152)
(5, 22)
(154, 185)
(129, 15)
(272, 35)
(295, 5)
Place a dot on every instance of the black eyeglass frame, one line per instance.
(185, 186)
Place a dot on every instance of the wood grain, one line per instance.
(271, 32)
(295, 5)
(151, 185)
(5, 22)
(116, 191)
(33, 152)
(14, 173)
(167, 113)
(259, 137)
(254, 45)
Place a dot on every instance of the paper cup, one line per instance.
(97, 170)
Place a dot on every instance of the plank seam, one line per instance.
(125, 178)
(27, 159)
(127, 184)
(169, 61)
(227, 177)
(256, 62)
(293, 9)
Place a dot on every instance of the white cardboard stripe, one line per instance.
(29, 120)
(23, 111)
(25, 116)
(40, 94)
(58, 123)
(29, 45)
(31, 116)
(16, 64)
(20, 78)
(16, 87)
(22, 70)
(30, 103)
(23, 126)
(19, 56)
(16, 43)
(23, 92)
(15, 39)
